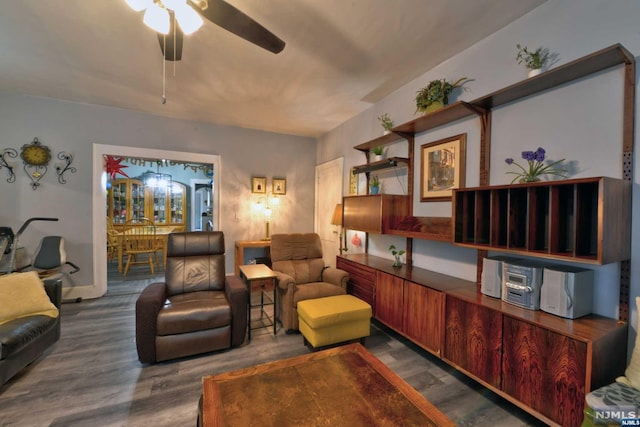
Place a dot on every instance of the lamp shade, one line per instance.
(336, 219)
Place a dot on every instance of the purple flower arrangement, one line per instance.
(535, 167)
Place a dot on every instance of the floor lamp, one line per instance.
(336, 219)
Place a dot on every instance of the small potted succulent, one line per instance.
(386, 123)
(436, 94)
(535, 61)
(396, 256)
(378, 153)
(374, 184)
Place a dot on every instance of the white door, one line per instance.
(328, 194)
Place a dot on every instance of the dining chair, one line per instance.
(139, 240)
(113, 240)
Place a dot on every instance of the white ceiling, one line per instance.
(341, 56)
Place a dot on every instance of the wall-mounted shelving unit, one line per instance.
(429, 228)
(584, 220)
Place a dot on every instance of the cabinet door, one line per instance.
(177, 204)
(157, 207)
(361, 280)
(137, 200)
(389, 291)
(473, 339)
(544, 370)
(118, 195)
(423, 315)
(373, 213)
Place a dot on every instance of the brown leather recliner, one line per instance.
(301, 273)
(197, 309)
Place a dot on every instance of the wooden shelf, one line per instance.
(597, 61)
(391, 162)
(380, 141)
(450, 113)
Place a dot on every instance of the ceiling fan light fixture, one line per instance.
(138, 5)
(157, 18)
(174, 4)
(188, 19)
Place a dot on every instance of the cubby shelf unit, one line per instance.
(581, 220)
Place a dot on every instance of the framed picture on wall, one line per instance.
(442, 168)
(258, 184)
(279, 186)
(353, 182)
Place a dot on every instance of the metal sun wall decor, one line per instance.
(36, 158)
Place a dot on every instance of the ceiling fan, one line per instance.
(163, 15)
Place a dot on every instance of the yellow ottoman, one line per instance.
(330, 320)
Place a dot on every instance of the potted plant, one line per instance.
(436, 94)
(374, 184)
(386, 123)
(535, 167)
(378, 153)
(396, 256)
(535, 61)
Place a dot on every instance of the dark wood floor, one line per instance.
(92, 377)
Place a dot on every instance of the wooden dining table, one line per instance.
(162, 236)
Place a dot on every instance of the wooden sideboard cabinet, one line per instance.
(473, 339)
(362, 280)
(413, 310)
(545, 370)
(389, 300)
(543, 363)
(374, 213)
(409, 300)
(423, 314)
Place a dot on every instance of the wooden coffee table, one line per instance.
(343, 386)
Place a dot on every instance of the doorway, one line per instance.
(99, 286)
(158, 191)
(202, 212)
(328, 193)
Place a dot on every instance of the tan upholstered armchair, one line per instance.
(301, 273)
(197, 309)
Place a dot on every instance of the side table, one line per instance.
(259, 277)
(241, 245)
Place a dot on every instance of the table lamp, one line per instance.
(336, 219)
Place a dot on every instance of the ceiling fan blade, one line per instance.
(171, 47)
(231, 19)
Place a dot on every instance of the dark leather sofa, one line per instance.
(24, 339)
(197, 309)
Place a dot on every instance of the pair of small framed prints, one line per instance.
(278, 185)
